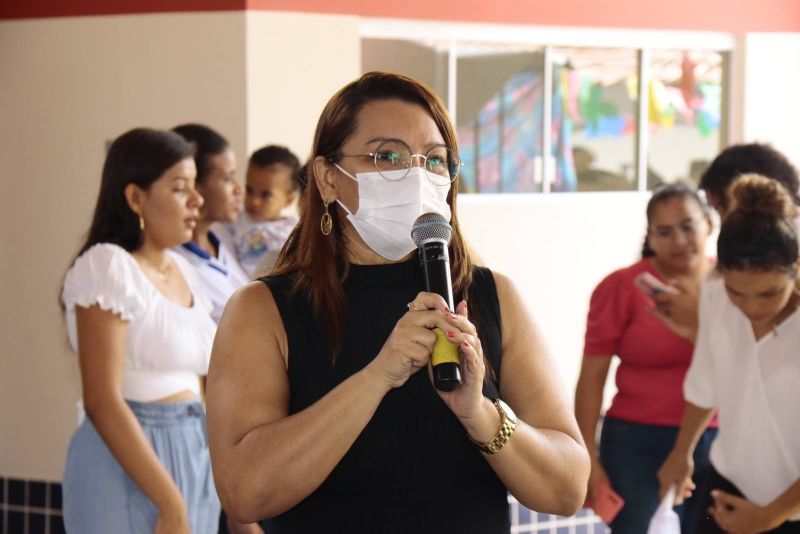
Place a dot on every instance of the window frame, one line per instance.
(449, 35)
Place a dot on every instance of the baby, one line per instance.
(272, 185)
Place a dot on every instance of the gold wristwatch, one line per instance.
(508, 424)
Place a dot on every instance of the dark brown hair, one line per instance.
(139, 156)
(751, 158)
(316, 262)
(278, 155)
(207, 142)
(760, 232)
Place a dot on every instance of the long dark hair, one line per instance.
(207, 144)
(317, 262)
(760, 232)
(662, 194)
(139, 156)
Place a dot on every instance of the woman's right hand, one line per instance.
(173, 519)
(409, 346)
(677, 470)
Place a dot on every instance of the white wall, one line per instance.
(556, 248)
(768, 78)
(295, 63)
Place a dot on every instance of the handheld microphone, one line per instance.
(431, 233)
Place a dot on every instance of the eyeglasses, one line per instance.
(442, 162)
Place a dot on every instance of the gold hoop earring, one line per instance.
(141, 223)
(326, 223)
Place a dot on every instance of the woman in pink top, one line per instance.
(646, 412)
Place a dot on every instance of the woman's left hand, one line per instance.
(737, 515)
(466, 401)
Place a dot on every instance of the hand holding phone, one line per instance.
(607, 503)
(652, 286)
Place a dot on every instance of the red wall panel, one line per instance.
(734, 16)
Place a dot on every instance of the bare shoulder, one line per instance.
(247, 378)
(251, 325)
(252, 307)
(252, 299)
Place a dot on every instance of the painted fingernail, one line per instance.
(451, 335)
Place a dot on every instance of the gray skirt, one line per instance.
(100, 497)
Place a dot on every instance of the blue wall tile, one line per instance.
(57, 525)
(55, 495)
(16, 492)
(37, 494)
(16, 523)
(36, 524)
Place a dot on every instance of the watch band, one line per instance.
(508, 424)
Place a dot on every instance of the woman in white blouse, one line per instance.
(746, 364)
(143, 332)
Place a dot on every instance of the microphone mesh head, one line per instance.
(431, 226)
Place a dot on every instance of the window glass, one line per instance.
(594, 119)
(685, 109)
(499, 117)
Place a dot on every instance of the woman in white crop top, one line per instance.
(746, 365)
(142, 328)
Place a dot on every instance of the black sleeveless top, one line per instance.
(412, 470)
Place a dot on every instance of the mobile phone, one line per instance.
(607, 503)
(651, 285)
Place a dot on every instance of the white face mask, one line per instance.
(388, 208)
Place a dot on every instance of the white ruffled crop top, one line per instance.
(167, 346)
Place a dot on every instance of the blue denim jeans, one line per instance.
(632, 454)
(99, 495)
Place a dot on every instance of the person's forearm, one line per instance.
(786, 506)
(534, 458)
(537, 456)
(588, 402)
(694, 422)
(278, 464)
(123, 435)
